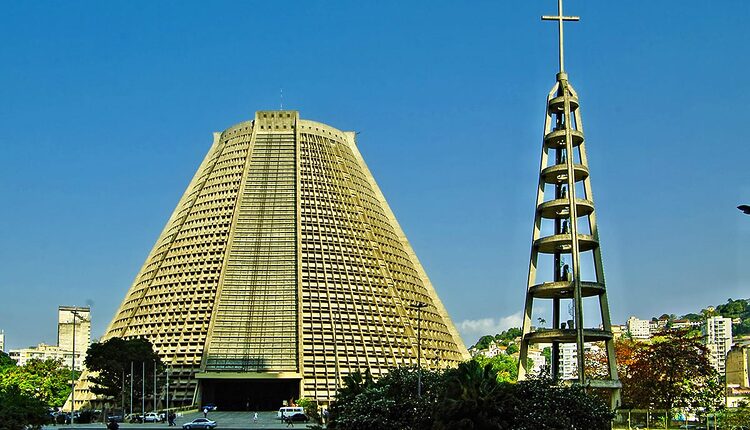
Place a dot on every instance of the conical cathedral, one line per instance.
(281, 270)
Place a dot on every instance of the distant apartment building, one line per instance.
(568, 357)
(738, 367)
(717, 332)
(65, 326)
(618, 331)
(638, 328)
(656, 326)
(493, 350)
(685, 324)
(47, 352)
(63, 351)
(538, 360)
(568, 363)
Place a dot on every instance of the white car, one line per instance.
(200, 423)
(152, 417)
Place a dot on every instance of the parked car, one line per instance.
(199, 423)
(152, 417)
(210, 407)
(118, 418)
(299, 417)
(133, 418)
(63, 417)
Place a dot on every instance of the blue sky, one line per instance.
(106, 109)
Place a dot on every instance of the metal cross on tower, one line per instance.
(565, 229)
(560, 18)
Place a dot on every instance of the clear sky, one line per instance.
(107, 108)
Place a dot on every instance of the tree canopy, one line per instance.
(19, 410)
(506, 338)
(673, 371)
(504, 366)
(45, 380)
(26, 392)
(6, 361)
(111, 361)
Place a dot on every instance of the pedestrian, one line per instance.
(112, 425)
(255, 417)
(289, 422)
(205, 412)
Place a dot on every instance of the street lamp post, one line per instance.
(419, 306)
(73, 369)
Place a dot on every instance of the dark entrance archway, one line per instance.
(251, 394)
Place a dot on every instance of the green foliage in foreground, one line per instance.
(470, 397)
(19, 410)
(737, 417)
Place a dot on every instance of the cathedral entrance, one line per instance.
(249, 394)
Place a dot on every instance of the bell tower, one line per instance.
(565, 267)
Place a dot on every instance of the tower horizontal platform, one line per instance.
(563, 243)
(560, 208)
(557, 104)
(557, 139)
(564, 290)
(566, 335)
(557, 174)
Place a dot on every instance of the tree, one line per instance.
(483, 342)
(737, 310)
(544, 405)
(111, 363)
(475, 399)
(390, 402)
(6, 361)
(504, 366)
(597, 366)
(46, 380)
(671, 372)
(509, 335)
(735, 418)
(20, 411)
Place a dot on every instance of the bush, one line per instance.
(469, 397)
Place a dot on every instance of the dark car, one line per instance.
(210, 407)
(118, 418)
(299, 417)
(200, 423)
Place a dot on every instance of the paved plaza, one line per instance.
(224, 420)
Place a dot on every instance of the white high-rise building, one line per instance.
(638, 328)
(718, 337)
(65, 325)
(568, 361)
(2, 340)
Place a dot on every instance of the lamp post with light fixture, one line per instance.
(419, 306)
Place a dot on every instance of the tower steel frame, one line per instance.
(566, 171)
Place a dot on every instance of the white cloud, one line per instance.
(472, 330)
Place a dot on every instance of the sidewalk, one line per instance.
(224, 420)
